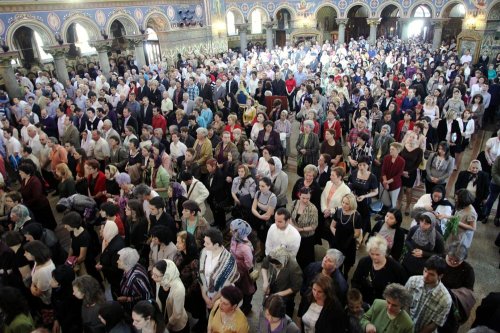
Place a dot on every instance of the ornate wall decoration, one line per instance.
(2, 27)
(53, 21)
(271, 7)
(374, 3)
(245, 8)
(170, 12)
(24, 16)
(479, 4)
(198, 11)
(100, 17)
(138, 15)
(406, 3)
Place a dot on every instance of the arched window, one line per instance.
(39, 45)
(256, 22)
(422, 11)
(82, 40)
(231, 27)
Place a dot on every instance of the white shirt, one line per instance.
(13, 146)
(465, 58)
(177, 150)
(494, 148)
(145, 204)
(288, 238)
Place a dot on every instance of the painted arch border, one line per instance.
(286, 6)
(451, 4)
(153, 13)
(354, 4)
(122, 16)
(386, 3)
(46, 34)
(89, 25)
(327, 4)
(429, 4)
(264, 10)
(236, 11)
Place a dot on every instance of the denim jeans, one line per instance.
(494, 192)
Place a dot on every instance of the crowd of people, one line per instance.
(172, 184)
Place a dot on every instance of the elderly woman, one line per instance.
(193, 222)
(166, 275)
(225, 315)
(217, 268)
(289, 280)
(477, 183)
(280, 181)
(375, 271)
(389, 314)
(203, 149)
(112, 242)
(242, 250)
(392, 170)
(335, 189)
(381, 144)
(361, 127)
(305, 220)
(134, 285)
(307, 147)
(243, 191)
(21, 217)
(422, 242)
(390, 229)
(284, 128)
(439, 167)
(310, 174)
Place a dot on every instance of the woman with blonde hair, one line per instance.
(67, 185)
(430, 109)
(346, 228)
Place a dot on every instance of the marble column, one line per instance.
(373, 23)
(103, 46)
(342, 23)
(405, 23)
(137, 43)
(59, 53)
(269, 35)
(438, 33)
(7, 72)
(242, 29)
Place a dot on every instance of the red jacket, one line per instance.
(336, 127)
(160, 122)
(393, 171)
(100, 186)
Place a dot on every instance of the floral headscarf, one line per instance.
(241, 230)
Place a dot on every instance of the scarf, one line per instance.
(171, 274)
(109, 232)
(241, 230)
(426, 237)
(443, 201)
(225, 272)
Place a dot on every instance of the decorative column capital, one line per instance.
(135, 40)
(242, 27)
(269, 25)
(375, 21)
(101, 45)
(405, 20)
(342, 21)
(6, 57)
(439, 22)
(57, 51)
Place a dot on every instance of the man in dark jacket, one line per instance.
(278, 84)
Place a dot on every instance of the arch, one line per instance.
(267, 17)
(425, 3)
(354, 4)
(449, 6)
(130, 25)
(492, 5)
(290, 9)
(238, 14)
(327, 5)
(159, 19)
(385, 4)
(88, 24)
(47, 36)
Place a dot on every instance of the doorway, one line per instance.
(280, 38)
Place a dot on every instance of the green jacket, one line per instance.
(21, 324)
(377, 316)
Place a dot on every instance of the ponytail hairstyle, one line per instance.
(150, 310)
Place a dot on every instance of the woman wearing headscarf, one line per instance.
(476, 182)
(436, 203)
(20, 215)
(280, 181)
(67, 313)
(112, 242)
(390, 229)
(134, 285)
(166, 276)
(422, 242)
(242, 250)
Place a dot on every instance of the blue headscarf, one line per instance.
(241, 230)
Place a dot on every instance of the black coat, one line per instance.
(331, 319)
(130, 122)
(218, 188)
(206, 92)
(232, 86)
(273, 143)
(143, 92)
(146, 115)
(399, 240)
(482, 185)
(442, 130)
(279, 88)
(109, 258)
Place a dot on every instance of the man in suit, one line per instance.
(80, 121)
(278, 84)
(128, 120)
(219, 91)
(205, 89)
(122, 103)
(70, 134)
(231, 84)
(143, 90)
(146, 112)
(286, 71)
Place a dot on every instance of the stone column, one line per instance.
(7, 72)
(373, 23)
(242, 29)
(59, 52)
(103, 46)
(137, 43)
(342, 23)
(438, 32)
(269, 35)
(405, 22)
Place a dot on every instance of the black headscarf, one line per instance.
(443, 201)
